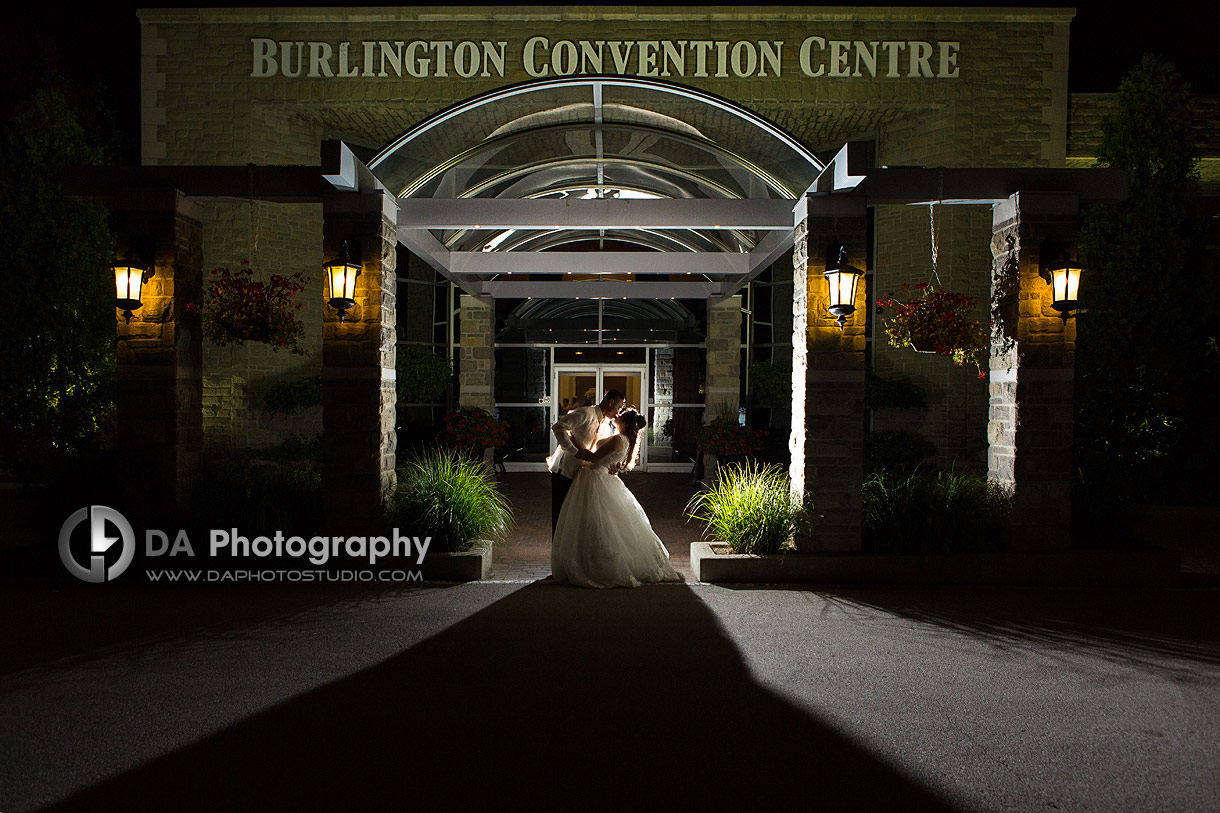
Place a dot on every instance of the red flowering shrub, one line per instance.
(729, 439)
(941, 321)
(237, 308)
(474, 429)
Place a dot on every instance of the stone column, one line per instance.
(722, 381)
(160, 358)
(827, 441)
(358, 394)
(662, 390)
(722, 384)
(477, 359)
(476, 354)
(1033, 356)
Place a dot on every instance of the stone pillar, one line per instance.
(662, 391)
(476, 354)
(722, 381)
(1033, 357)
(160, 359)
(477, 359)
(358, 394)
(827, 440)
(722, 384)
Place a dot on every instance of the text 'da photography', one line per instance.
(97, 544)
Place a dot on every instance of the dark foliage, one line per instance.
(1145, 429)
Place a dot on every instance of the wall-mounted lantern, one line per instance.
(842, 278)
(341, 274)
(1063, 275)
(129, 279)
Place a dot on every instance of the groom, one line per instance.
(575, 430)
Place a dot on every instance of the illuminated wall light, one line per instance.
(129, 279)
(842, 279)
(341, 273)
(1062, 273)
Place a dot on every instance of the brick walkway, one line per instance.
(526, 554)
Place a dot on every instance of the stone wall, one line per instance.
(202, 104)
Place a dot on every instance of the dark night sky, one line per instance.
(99, 47)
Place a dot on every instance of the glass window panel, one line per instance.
(522, 374)
(529, 434)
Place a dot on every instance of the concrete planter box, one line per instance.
(1032, 568)
(468, 566)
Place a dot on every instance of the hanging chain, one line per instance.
(940, 194)
(253, 211)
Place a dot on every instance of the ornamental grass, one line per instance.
(750, 508)
(450, 498)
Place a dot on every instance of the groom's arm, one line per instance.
(605, 449)
(562, 430)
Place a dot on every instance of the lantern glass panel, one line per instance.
(842, 287)
(1065, 283)
(127, 282)
(343, 280)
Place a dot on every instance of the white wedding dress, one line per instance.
(603, 537)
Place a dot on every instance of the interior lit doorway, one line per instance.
(577, 385)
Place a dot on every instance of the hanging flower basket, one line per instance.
(238, 308)
(941, 322)
(922, 343)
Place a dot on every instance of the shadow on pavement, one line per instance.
(70, 619)
(1137, 626)
(553, 695)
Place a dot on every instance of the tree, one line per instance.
(58, 363)
(1142, 347)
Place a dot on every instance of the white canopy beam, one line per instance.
(602, 213)
(487, 263)
(596, 289)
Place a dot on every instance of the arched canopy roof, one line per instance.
(596, 138)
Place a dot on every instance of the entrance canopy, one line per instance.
(627, 187)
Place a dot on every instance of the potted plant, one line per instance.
(238, 308)
(452, 500)
(936, 321)
(473, 430)
(752, 518)
(728, 440)
(750, 509)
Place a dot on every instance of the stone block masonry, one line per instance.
(160, 435)
(831, 440)
(359, 441)
(1032, 367)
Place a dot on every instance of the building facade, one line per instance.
(685, 117)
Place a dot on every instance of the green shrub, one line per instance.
(750, 508)
(898, 453)
(290, 397)
(771, 384)
(898, 392)
(274, 488)
(422, 376)
(451, 499)
(941, 513)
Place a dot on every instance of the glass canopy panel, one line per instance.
(616, 154)
(716, 145)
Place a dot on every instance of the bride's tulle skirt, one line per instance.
(603, 537)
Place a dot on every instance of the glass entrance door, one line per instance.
(584, 385)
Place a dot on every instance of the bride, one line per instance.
(603, 537)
